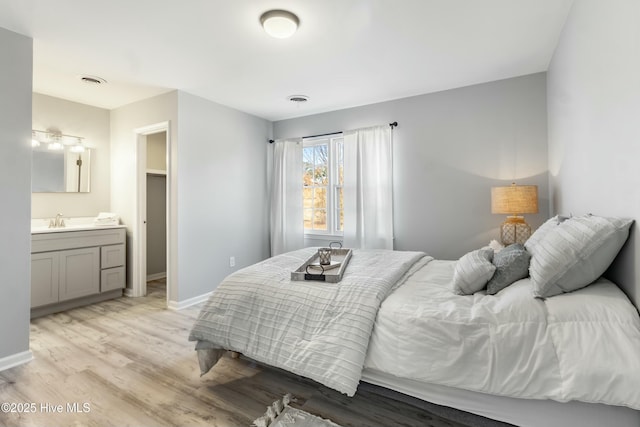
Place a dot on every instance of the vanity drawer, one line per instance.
(112, 278)
(112, 256)
(56, 241)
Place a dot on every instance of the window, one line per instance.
(322, 181)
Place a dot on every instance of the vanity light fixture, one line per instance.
(34, 141)
(55, 143)
(55, 140)
(280, 24)
(78, 147)
(55, 146)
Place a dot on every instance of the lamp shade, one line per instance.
(514, 199)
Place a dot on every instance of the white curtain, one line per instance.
(287, 227)
(368, 188)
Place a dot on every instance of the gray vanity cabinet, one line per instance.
(79, 273)
(73, 268)
(44, 278)
(112, 273)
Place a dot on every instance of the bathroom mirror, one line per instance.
(60, 171)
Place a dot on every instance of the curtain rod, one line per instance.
(392, 125)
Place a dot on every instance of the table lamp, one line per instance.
(514, 200)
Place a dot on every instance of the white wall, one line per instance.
(594, 120)
(16, 52)
(124, 121)
(92, 123)
(222, 203)
(450, 148)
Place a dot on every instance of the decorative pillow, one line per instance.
(496, 246)
(537, 236)
(512, 264)
(575, 253)
(472, 271)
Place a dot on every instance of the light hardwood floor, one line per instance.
(130, 362)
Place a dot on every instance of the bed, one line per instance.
(393, 321)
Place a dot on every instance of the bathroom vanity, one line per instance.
(76, 265)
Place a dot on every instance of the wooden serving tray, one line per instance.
(332, 275)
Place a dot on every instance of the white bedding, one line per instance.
(583, 346)
(314, 329)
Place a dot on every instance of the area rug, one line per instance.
(280, 414)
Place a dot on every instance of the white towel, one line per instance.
(107, 218)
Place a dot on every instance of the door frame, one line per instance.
(139, 269)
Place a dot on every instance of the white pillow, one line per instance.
(473, 271)
(538, 235)
(496, 246)
(575, 253)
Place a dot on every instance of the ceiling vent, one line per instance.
(93, 80)
(298, 98)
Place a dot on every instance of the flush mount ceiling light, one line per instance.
(279, 23)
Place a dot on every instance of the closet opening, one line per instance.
(153, 238)
(156, 207)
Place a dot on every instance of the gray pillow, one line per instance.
(472, 271)
(512, 264)
(576, 253)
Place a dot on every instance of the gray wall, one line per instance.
(124, 121)
(594, 120)
(156, 205)
(92, 123)
(156, 225)
(218, 186)
(222, 201)
(450, 148)
(16, 52)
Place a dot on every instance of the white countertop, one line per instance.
(41, 225)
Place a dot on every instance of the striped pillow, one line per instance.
(538, 235)
(575, 253)
(473, 271)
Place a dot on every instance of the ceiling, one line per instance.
(346, 52)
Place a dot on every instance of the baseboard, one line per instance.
(78, 302)
(15, 360)
(181, 305)
(156, 276)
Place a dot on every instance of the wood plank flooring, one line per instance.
(127, 362)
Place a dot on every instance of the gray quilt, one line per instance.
(314, 329)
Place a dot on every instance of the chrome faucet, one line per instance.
(58, 222)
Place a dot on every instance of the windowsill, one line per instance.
(327, 237)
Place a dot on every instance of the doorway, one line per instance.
(152, 247)
(156, 175)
